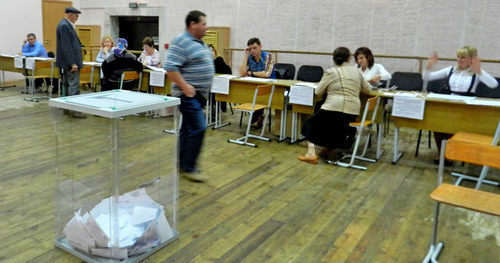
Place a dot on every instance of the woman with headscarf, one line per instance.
(115, 64)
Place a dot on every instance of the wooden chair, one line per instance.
(261, 93)
(475, 200)
(86, 75)
(130, 76)
(371, 107)
(477, 139)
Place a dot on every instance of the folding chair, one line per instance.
(261, 92)
(128, 76)
(475, 200)
(481, 139)
(370, 107)
(86, 76)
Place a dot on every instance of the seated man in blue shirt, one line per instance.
(260, 64)
(34, 48)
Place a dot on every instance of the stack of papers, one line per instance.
(139, 225)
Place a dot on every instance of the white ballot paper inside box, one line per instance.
(302, 93)
(408, 105)
(140, 224)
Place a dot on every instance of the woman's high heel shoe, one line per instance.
(313, 160)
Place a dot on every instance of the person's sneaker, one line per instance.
(195, 176)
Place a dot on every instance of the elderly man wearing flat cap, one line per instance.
(69, 52)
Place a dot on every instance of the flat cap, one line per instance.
(72, 10)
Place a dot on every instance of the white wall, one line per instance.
(18, 18)
(393, 27)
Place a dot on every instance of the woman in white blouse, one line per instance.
(149, 56)
(462, 80)
(372, 72)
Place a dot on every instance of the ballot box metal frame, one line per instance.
(111, 113)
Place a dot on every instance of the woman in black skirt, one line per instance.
(329, 127)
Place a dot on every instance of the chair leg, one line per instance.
(269, 116)
(241, 118)
(418, 142)
(351, 164)
(429, 141)
(434, 249)
(244, 140)
(231, 107)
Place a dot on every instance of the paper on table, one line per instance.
(18, 62)
(484, 102)
(450, 97)
(408, 107)
(220, 85)
(257, 79)
(156, 68)
(94, 64)
(302, 94)
(157, 78)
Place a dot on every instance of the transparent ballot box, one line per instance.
(117, 180)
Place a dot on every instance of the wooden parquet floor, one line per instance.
(260, 205)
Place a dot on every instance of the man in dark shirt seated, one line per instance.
(119, 61)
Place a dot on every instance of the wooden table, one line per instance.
(448, 116)
(156, 90)
(7, 64)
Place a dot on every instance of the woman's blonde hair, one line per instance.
(467, 51)
(104, 38)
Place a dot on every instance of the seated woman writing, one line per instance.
(329, 127)
(462, 79)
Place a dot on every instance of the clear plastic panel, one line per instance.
(117, 185)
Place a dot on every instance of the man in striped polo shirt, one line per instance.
(189, 64)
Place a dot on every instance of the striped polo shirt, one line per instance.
(193, 59)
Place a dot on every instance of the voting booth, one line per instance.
(117, 180)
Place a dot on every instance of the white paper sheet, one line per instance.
(408, 107)
(220, 85)
(156, 69)
(302, 94)
(18, 62)
(143, 214)
(30, 63)
(450, 97)
(484, 102)
(257, 79)
(157, 78)
(93, 64)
